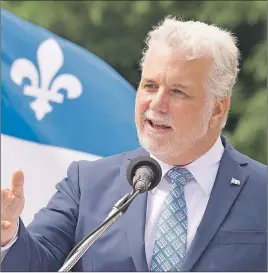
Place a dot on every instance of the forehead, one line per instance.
(165, 65)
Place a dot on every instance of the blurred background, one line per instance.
(115, 31)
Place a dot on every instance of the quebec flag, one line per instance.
(60, 103)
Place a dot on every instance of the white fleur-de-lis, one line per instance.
(45, 88)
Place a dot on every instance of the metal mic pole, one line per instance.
(143, 173)
(84, 247)
(118, 210)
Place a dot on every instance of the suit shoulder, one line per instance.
(113, 160)
(252, 165)
(103, 170)
(257, 171)
(257, 168)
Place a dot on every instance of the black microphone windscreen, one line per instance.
(145, 162)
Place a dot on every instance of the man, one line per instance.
(209, 211)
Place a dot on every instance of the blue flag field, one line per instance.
(60, 103)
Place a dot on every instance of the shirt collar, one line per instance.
(211, 158)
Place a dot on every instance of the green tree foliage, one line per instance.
(115, 31)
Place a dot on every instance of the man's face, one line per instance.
(172, 106)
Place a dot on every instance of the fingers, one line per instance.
(5, 225)
(4, 193)
(6, 198)
(17, 183)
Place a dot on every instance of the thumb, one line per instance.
(17, 183)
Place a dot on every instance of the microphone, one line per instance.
(143, 173)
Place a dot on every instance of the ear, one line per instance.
(221, 108)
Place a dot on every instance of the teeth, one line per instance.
(158, 124)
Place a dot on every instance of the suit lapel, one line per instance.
(134, 218)
(222, 197)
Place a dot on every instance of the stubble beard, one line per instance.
(176, 144)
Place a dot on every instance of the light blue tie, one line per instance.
(171, 236)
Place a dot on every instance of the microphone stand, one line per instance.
(118, 210)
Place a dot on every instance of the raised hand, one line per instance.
(12, 204)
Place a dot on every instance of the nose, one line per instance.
(160, 101)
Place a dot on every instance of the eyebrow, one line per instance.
(148, 80)
(173, 85)
(179, 85)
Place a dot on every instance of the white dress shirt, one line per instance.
(196, 192)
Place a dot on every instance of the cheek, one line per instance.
(142, 104)
(185, 115)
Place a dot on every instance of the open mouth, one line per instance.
(158, 126)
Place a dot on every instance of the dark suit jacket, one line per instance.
(231, 236)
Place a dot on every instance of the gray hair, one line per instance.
(197, 39)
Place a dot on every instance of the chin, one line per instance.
(156, 146)
(166, 148)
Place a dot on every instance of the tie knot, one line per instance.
(179, 175)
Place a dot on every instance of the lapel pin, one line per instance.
(235, 181)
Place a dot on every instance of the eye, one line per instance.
(177, 91)
(150, 86)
